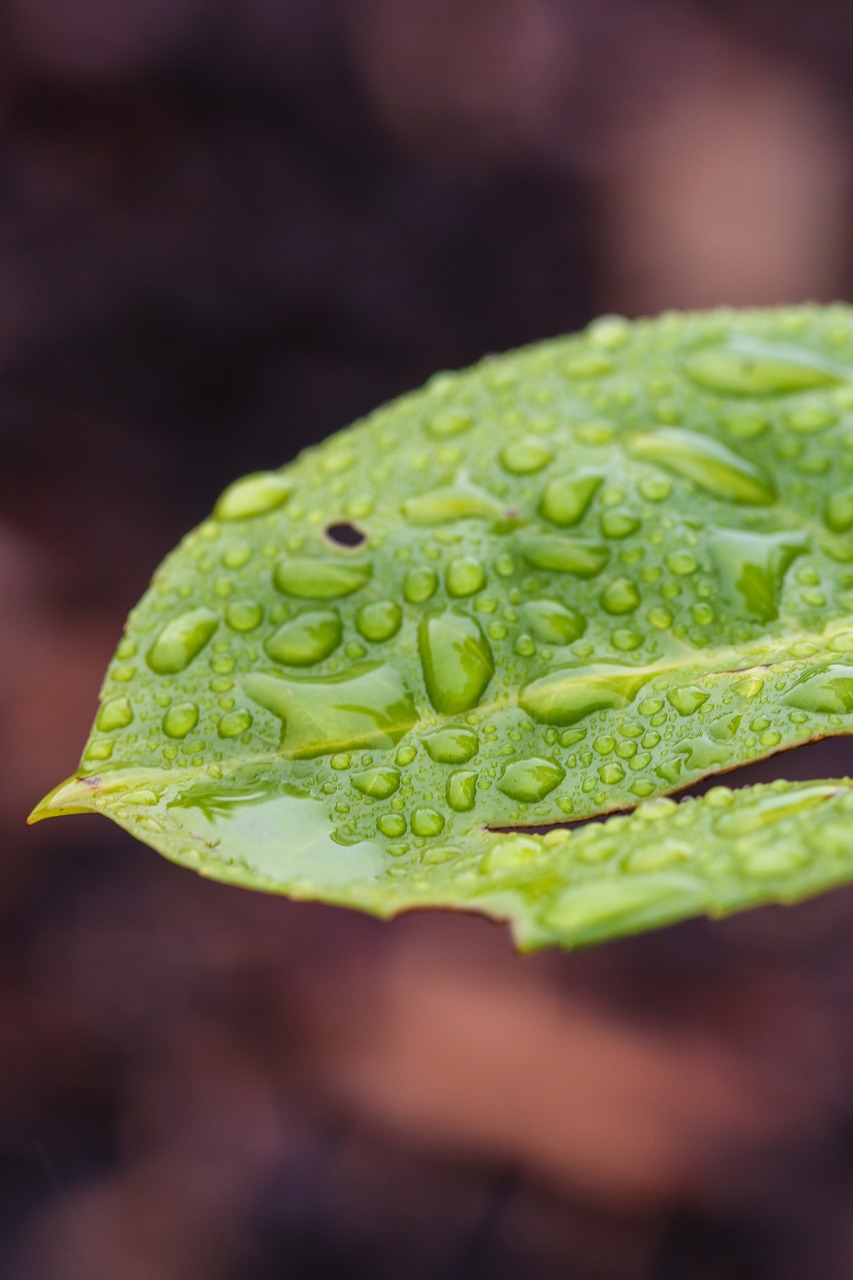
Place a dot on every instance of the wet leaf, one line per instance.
(559, 585)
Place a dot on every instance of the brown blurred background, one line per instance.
(228, 227)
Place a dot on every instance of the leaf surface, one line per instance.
(558, 585)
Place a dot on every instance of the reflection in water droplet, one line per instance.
(709, 464)
(366, 706)
(181, 640)
(462, 790)
(531, 780)
(419, 585)
(115, 714)
(465, 576)
(456, 659)
(380, 782)
(522, 457)
(752, 367)
(752, 568)
(552, 622)
(562, 555)
(253, 496)
(306, 639)
(180, 719)
(451, 746)
(380, 620)
(568, 694)
(321, 579)
(826, 690)
(565, 499)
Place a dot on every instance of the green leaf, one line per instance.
(561, 584)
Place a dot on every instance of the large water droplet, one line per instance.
(827, 690)
(770, 809)
(839, 510)
(451, 746)
(456, 659)
(522, 457)
(531, 780)
(687, 699)
(710, 465)
(751, 367)
(180, 719)
(379, 621)
(633, 903)
(366, 706)
(455, 502)
(379, 782)
(253, 496)
(552, 622)
(234, 724)
(419, 584)
(181, 640)
(465, 576)
(568, 694)
(306, 639)
(244, 615)
(115, 714)
(752, 568)
(562, 555)
(427, 822)
(565, 499)
(620, 596)
(461, 790)
(321, 579)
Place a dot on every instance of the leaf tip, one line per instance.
(74, 795)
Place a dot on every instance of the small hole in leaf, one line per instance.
(344, 534)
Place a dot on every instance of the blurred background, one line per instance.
(227, 228)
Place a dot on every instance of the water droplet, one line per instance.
(456, 659)
(234, 724)
(452, 503)
(462, 790)
(451, 746)
(748, 366)
(101, 750)
(380, 620)
(770, 809)
(522, 457)
(531, 780)
(366, 706)
(681, 563)
(321, 579)
(392, 825)
(839, 510)
(568, 694)
(511, 853)
(752, 568)
(686, 699)
(707, 463)
(449, 422)
(427, 822)
(465, 576)
(419, 585)
(809, 419)
(180, 719)
(620, 596)
(115, 714)
(244, 615)
(306, 639)
(380, 782)
(553, 623)
(253, 496)
(563, 555)
(181, 640)
(565, 499)
(618, 524)
(827, 690)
